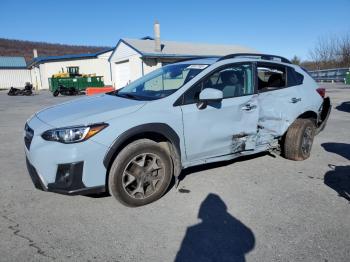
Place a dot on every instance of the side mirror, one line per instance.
(209, 95)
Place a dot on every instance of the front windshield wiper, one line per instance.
(129, 95)
(135, 96)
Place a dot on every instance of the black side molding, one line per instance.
(81, 191)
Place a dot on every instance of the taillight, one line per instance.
(321, 91)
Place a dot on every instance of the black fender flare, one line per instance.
(158, 128)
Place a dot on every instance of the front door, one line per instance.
(225, 127)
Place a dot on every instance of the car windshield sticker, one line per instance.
(197, 67)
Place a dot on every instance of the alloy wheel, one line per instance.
(143, 175)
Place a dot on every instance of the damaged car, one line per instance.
(131, 142)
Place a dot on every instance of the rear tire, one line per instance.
(56, 93)
(298, 140)
(141, 173)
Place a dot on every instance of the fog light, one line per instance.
(68, 176)
(64, 175)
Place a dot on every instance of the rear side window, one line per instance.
(271, 77)
(294, 78)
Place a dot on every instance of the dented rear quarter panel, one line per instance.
(278, 112)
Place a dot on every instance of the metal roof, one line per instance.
(12, 62)
(146, 47)
(44, 59)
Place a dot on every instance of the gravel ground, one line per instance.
(261, 208)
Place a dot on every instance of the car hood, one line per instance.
(88, 110)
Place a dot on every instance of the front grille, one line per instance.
(28, 136)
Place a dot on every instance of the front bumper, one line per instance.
(71, 169)
(72, 186)
(38, 183)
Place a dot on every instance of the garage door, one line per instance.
(122, 73)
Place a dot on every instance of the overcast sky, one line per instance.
(285, 28)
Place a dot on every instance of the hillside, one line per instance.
(10, 47)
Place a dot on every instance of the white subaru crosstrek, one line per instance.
(132, 141)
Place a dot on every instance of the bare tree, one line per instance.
(10, 47)
(330, 52)
(344, 50)
(296, 60)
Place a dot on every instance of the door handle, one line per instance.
(295, 100)
(248, 107)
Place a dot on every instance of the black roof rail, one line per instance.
(262, 56)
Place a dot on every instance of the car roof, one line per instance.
(238, 58)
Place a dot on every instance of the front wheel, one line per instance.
(299, 139)
(141, 173)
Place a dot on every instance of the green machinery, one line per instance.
(72, 78)
(347, 78)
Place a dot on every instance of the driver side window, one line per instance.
(233, 80)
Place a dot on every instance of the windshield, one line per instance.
(161, 82)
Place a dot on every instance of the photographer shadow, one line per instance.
(338, 178)
(218, 237)
(344, 107)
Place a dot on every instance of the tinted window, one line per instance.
(233, 81)
(291, 78)
(271, 77)
(294, 78)
(299, 78)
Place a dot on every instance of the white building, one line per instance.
(13, 72)
(42, 68)
(132, 58)
(128, 61)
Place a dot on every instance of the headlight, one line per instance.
(73, 134)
